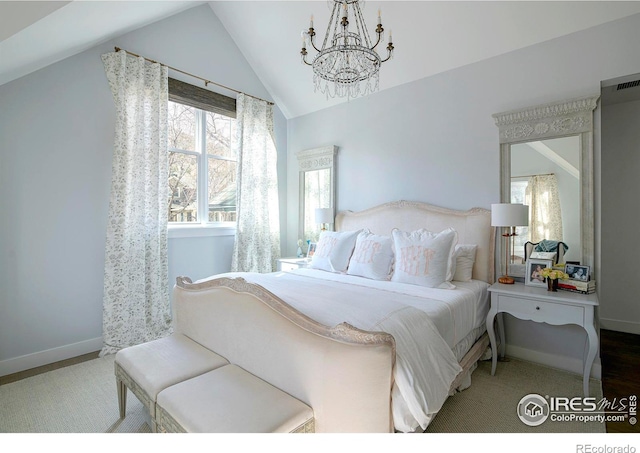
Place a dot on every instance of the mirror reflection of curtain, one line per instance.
(317, 194)
(545, 214)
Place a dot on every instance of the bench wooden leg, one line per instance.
(122, 397)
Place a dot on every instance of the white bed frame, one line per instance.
(345, 374)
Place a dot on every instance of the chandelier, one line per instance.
(347, 64)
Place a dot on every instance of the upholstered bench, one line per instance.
(230, 400)
(148, 368)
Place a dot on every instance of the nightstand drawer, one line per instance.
(290, 264)
(549, 312)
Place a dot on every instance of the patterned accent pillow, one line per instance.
(372, 256)
(334, 250)
(423, 258)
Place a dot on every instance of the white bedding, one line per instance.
(425, 322)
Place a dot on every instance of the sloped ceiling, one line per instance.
(430, 37)
(35, 34)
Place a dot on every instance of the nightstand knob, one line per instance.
(537, 308)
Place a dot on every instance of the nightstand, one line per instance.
(289, 264)
(539, 305)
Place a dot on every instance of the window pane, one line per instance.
(219, 133)
(222, 190)
(183, 183)
(182, 127)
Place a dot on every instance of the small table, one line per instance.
(288, 264)
(539, 305)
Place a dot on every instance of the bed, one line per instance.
(366, 354)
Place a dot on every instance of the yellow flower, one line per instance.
(554, 274)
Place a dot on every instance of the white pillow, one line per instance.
(464, 259)
(334, 250)
(424, 258)
(372, 256)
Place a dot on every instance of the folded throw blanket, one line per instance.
(547, 245)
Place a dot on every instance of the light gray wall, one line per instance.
(56, 139)
(620, 286)
(434, 140)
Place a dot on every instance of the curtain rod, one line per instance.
(530, 176)
(206, 82)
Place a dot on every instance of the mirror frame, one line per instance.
(311, 160)
(547, 121)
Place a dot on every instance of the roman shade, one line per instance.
(200, 98)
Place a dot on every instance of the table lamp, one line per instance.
(324, 216)
(509, 216)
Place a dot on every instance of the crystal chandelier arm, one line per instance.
(311, 34)
(303, 52)
(390, 49)
(361, 25)
(379, 31)
(335, 20)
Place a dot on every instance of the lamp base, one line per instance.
(505, 279)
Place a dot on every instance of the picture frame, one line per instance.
(578, 272)
(312, 249)
(544, 256)
(533, 276)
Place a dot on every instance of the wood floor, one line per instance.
(619, 354)
(620, 358)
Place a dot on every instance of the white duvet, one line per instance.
(426, 323)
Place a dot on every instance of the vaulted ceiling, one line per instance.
(430, 37)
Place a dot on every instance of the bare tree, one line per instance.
(183, 170)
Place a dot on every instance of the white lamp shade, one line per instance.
(324, 215)
(509, 214)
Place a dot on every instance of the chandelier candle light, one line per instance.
(510, 216)
(347, 64)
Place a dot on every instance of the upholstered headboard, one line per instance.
(473, 227)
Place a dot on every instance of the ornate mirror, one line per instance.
(317, 188)
(546, 162)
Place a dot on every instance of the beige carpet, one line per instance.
(490, 404)
(82, 399)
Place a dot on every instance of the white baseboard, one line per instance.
(26, 362)
(620, 326)
(571, 364)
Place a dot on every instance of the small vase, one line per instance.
(552, 284)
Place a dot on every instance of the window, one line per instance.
(201, 161)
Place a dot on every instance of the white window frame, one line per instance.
(202, 227)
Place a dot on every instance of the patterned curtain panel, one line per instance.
(136, 294)
(257, 244)
(545, 215)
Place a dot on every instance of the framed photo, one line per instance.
(312, 249)
(544, 256)
(578, 272)
(533, 275)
